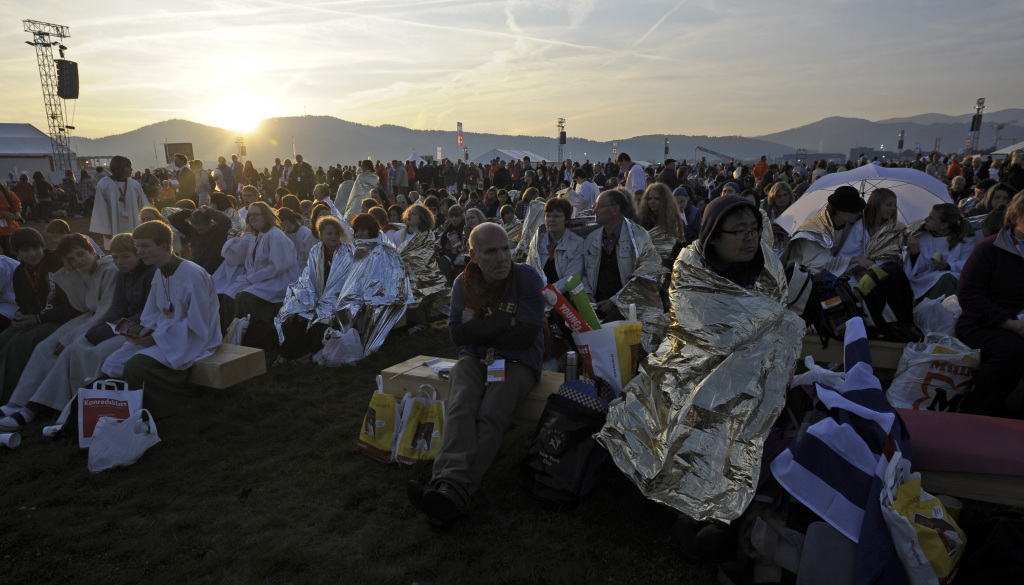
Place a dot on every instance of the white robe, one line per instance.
(264, 268)
(303, 240)
(90, 294)
(8, 307)
(583, 197)
(109, 215)
(921, 274)
(183, 312)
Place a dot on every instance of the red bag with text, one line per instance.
(106, 398)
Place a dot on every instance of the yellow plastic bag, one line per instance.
(927, 538)
(377, 435)
(422, 427)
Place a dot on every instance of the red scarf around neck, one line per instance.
(481, 295)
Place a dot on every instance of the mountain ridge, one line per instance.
(325, 140)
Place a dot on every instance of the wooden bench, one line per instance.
(409, 375)
(884, 354)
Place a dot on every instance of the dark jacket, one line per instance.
(30, 292)
(186, 183)
(205, 247)
(130, 296)
(991, 288)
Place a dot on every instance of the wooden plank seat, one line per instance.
(409, 375)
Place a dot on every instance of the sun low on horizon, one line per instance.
(238, 113)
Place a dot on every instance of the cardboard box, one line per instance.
(410, 374)
(229, 365)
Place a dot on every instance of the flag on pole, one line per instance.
(460, 133)
(615, 148)
(438, 153)
(293, 148)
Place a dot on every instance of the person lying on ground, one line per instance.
(181, 311)
(51, 385)
(496, 317)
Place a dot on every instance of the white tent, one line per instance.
(1009, 149)
(24, 149)
(507, 154)
(414, 158)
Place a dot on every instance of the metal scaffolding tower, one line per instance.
(43, 34)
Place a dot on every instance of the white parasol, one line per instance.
(916, 193)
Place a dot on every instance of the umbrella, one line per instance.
(916, 193)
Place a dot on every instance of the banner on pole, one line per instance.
(460, 133)
(438, 153)
(615, 148)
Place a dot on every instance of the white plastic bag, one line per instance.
(116, 444)
(935, 374)
(931, 316)
(340, 347)
(236, 330)
(816, 374)
(105, 398)
(952, 304)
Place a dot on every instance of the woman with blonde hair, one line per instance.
(310, 301)
(257, 269)
(780, 197)
(419, 256)
(659, 215)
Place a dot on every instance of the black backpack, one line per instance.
(829, 300)
(563, 459)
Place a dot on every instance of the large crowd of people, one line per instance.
(193, 249)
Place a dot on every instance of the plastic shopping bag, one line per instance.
(236, 330)
(927, 538)
(935, 374)
(611, 352)
(340, 347)
(121, 443)
(932, 316)
(422, 425)
(376, 438)
(106, 398)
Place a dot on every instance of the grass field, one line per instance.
(261, 483)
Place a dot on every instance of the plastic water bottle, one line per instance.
(572, 364)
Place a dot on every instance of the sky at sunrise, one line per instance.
(612, 69)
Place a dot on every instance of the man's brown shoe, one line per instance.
(444, 503)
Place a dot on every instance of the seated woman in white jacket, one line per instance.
(257, 269)
(936, 254)
(556, 252)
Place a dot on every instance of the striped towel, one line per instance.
(836, 470)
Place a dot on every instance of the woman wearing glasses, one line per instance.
(722, 371)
